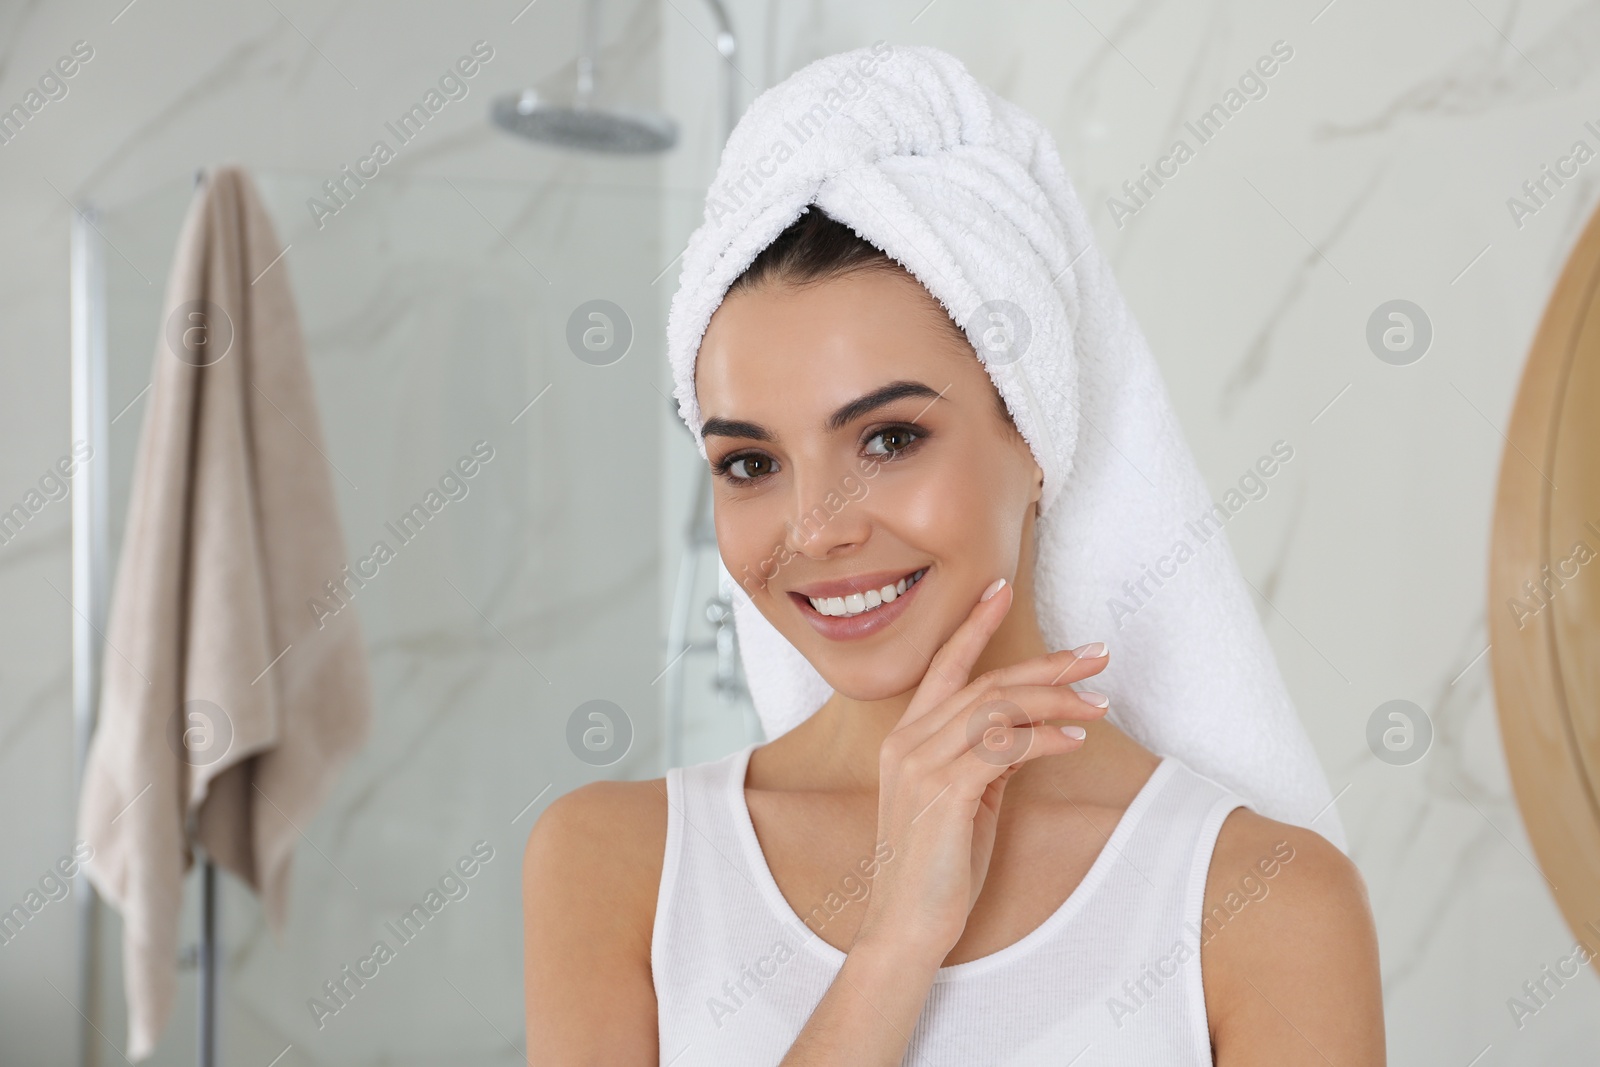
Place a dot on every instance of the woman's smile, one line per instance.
(837, 610)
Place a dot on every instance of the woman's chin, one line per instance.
(855, 672)
(877, 682)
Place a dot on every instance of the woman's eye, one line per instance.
(904, 437)
(744, 467)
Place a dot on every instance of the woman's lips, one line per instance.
(839, 628)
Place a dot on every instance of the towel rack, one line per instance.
(89, 542)
(207, 950)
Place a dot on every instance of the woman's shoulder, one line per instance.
(598, 850)
(1257, 857)
(589, 875)
(604, 821)
(1288, 941)
(613, 832)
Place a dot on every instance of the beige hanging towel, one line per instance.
(227, 704)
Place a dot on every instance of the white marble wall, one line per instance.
(1376, 167)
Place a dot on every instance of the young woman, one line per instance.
(957, 858)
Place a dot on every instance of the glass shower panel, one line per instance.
(444, 316)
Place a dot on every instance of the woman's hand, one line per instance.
(943, 770)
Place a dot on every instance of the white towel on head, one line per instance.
(967, 191)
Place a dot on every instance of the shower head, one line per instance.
(583, 126)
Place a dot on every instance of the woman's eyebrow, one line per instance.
(848, 413)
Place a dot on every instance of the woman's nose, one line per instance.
(824, 516)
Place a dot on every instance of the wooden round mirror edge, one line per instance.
(1552, 788)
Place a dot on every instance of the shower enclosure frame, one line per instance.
(91, 595)
(90, 600)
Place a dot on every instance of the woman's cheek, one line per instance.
(751, 557)
(939, 510)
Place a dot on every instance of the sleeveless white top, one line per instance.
(1112, 977)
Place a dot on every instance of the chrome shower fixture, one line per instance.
(581, 124)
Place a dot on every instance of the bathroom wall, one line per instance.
(1377, 167)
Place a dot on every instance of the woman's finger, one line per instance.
(951, 666)
(1054, 669)
(1011, 707)
(1006, 747)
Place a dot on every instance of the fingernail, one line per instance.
(995, 587)
(1099, 700)
(1077, 733)
(1090, 651)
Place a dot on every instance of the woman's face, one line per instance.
(856, 440)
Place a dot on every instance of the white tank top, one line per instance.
(1112, 977)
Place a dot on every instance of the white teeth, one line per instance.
(856, 603)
